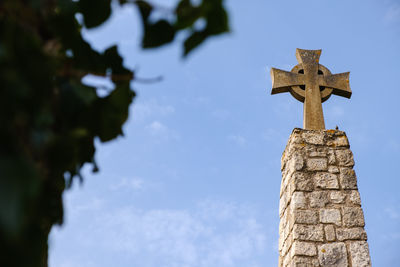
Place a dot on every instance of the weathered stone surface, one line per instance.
(311, 137)
(318, 199)
(315, 151)
(286, 261)
(353, 216)
(331, 157)
(285, 231)
(304, 261)
(325, 180)
(308, 232)
(287, 245)
(337, 197)
(302, 182)
(320, 207)
(317, 154)
(333, 255)
(305, 216)
(333, 169)
(298, 201)
(303, 249)
(348, 178)
(317, 164)
(359, 252)
(340, 141)
(345, 157)
(283, 203)
(357, 233)
(355, 197)
(330, 216)
(330, 233)
(296, 163)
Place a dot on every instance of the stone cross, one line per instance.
(311, 83)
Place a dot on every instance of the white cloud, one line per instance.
(133, 184)
(237, 139)
(150, 109)
(156, 128)
(160, 132)
(214, 233)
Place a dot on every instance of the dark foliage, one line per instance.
(50, 119)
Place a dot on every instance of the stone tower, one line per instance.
(321, 220)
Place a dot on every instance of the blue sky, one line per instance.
(195, 180)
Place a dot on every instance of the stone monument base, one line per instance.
(321, 220)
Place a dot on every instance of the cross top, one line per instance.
(311, 83)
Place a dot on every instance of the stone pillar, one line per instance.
(321, 220)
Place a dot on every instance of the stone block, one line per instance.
(283, 220)
(283, 202)
(315, 138)
(305, 216)
(330, 216)
(339, 141)
(287, 245)
(333, 169)
(286, 261)
(325, 180)
(317, 164)
(317, 154)
(330, 233)
(308, 232)
(300, 248)
(359, 254)
(345, 157)
(331, 157)
(353, 216)
(355, 197)
(357, 233)
(337, 197)
(286, 231)
(333, 255)
(301, 182)
(304, 261)
(296, 162)
(318, 199)
(347, 178)
(298, 201)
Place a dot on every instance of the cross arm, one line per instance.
(338, 82)
(283, 80)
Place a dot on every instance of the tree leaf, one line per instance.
(158, 34)
(193, 41)
(186, 14)
(94, 12)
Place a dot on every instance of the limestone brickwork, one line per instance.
(321, 220)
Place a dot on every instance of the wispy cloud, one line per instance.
(156, 128)
(151, 109)
(132, 184)
(161, 132)
(215, 233)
